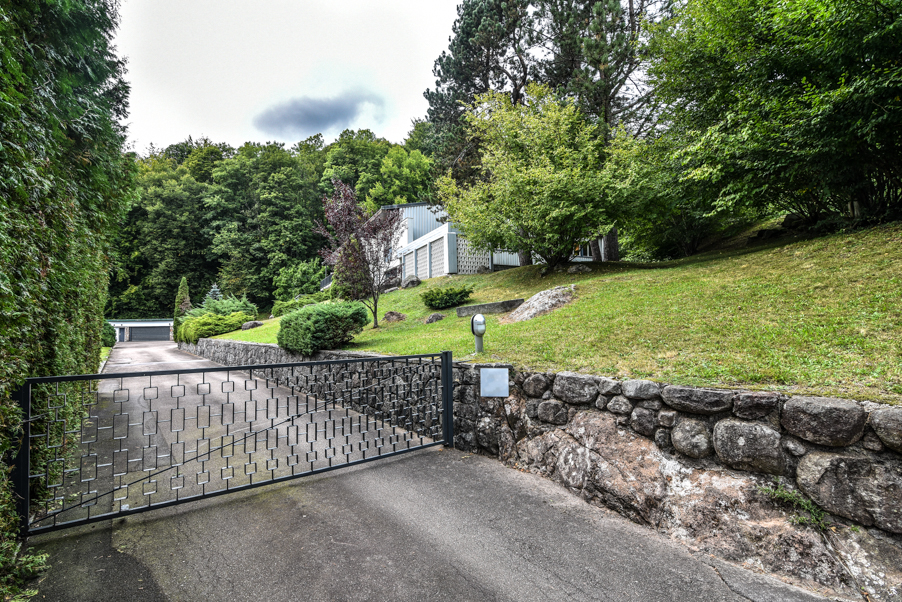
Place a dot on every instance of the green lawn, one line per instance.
(821, 316)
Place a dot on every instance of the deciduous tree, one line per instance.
(360, 245)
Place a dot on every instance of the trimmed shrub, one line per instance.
(286, 307)
(210, 325)
(107, 335)
(223, 306)
(323, 326)
(442, 298)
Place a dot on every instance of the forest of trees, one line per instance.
(706, 116)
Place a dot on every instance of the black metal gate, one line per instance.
(103, 446)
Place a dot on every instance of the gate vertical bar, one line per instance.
(22, 464)
(447, 399)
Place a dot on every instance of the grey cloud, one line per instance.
(305, 116)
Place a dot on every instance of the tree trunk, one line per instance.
(525, 258)
(375, 311)
(611, 246)
(595, 249)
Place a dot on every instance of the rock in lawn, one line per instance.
(393, 316)
(434, 318)
(251, 324)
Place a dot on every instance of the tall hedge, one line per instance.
(63, 182)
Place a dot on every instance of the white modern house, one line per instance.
(431, 246)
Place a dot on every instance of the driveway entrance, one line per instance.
(436, 524)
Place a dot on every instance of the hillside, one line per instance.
(822, 316)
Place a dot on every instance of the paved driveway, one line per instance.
(432, 525)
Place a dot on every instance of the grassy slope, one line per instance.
(820, 316)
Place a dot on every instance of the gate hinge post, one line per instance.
(22, 462)
(447, 399)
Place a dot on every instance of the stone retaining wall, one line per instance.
(845, 455)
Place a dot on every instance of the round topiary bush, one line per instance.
(323, 326)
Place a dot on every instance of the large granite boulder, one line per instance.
(535, 385)
(410, 282)
(691, 437)
(697, 401)
(824, 420)
(887, 423)
(858, 486)
(251, 324)
(575, 388)
(749, 446)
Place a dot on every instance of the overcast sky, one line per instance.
(278, 69)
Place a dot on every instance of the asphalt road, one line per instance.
(432, 525)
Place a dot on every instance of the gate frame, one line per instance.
(21, 468)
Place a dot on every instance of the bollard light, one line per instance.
(477, 327)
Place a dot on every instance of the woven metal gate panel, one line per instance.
(102, 446)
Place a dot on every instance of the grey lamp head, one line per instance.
(477, 325)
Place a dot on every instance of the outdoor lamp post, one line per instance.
(477, 327)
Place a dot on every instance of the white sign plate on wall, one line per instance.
(493, 382)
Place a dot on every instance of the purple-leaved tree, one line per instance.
(360, 245)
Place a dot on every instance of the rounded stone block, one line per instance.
(824, 420)
(574, 388)
(620, 405)
(691, 438)
(608, 386)
(697, 401)
(887, 424)
(640, 389)
(749, 446)
(642, 421)
(755, 404)
(553, 412)
(535, 385)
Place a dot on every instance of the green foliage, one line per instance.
(162, 239)
(663, 213)
(63, 182)
(301, 278)
(107, 335)
(813, 516)
(207, 325)
(324, 326)
(792, 104)
(541, 190)
(449, 296)
(223, 306)
(182, 299)
(214, 294)
(405, 178)
(355, 159)
(284, 307)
